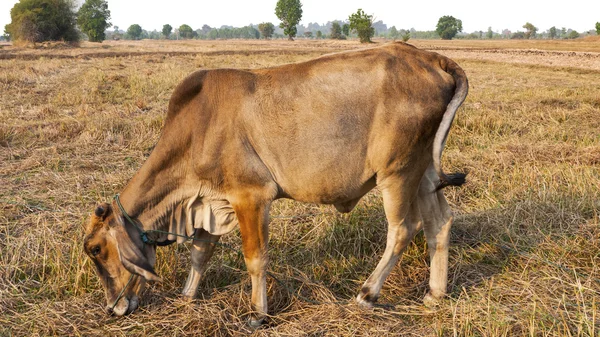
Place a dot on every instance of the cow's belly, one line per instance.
(325, 181)
(327, 193)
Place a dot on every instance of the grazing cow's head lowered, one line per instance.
(122, 261)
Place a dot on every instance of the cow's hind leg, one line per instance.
(403, 218)
(437, 221)
(203, 247)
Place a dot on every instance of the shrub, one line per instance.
(573, 34)
(518, 35)
(42, 20)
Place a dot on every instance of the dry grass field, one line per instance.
(76, 124)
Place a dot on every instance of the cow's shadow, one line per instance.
(334, 267)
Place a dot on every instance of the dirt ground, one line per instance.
(585, 55)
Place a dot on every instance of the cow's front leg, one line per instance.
(253, 217)
(203, 247)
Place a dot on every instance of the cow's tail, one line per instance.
(460, 93)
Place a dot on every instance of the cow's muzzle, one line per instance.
(124, 306)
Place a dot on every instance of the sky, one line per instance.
(476, 15)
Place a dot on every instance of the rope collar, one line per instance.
(143, 233)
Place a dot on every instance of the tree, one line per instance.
(206, 29)
(518, 35)
(598, 28)
(531, 30)
(154, 35)
(134, 31)
(346, 29)
(393, 34)
(42, 20)
(319, 34)
(362, 24)
(290, 13)
(405, 35)
(213, 34)
(115, 33)
(166, 31)
(93, 18)
(573, 34)
(186, 32)
(336, 31)
(552, 32)
(490, 33)
(379, 27)
(308, 35)
(448, 26)
(266, 29)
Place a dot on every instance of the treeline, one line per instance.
(252, 31)
(316, 31)
(312, 30)
(328, 30)
(530, 32)
(46, 20)
(205, 33)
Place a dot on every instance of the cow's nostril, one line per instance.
(109, 310)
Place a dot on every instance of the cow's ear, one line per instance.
(102, 211)
(132, 257)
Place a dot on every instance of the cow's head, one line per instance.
(116, 248)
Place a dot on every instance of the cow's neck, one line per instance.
(157, 188)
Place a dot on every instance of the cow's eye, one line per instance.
(95, 250)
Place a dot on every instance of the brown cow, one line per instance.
(324, 131)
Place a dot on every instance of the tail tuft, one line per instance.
(454, 179)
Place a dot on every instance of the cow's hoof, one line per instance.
(255, 322)
(188, 295)
(363, 304)
(431, 301)
(365, 299)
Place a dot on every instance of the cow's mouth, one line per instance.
(124, 306)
